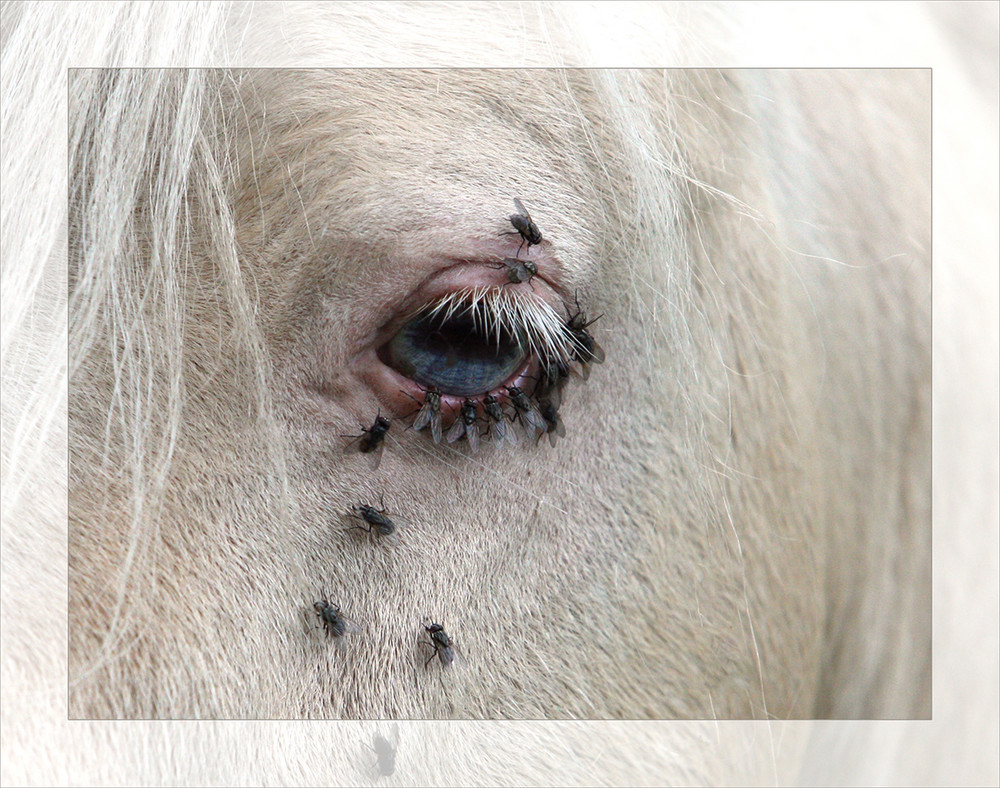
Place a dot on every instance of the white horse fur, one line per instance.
(737, 524)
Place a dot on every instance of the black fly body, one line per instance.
(526, 412)
(525, 227)
(429, 413)
(498, 431)
(465, 424)
(375, 519)
(371, 441)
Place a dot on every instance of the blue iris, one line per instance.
(455, 356)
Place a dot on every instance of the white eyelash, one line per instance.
(495, 310)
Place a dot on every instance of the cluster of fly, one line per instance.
(518, 270)
(536, 410)
(558, 344)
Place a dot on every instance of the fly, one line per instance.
(375, 519)
(497, 422)
(554, 374)
(553, 424)
(518, 271)
(585, 347)
(525, 227)
(334, 622)
(444, 647)
(372, 439)
(429, 413)
(526, 412)
(465, 424)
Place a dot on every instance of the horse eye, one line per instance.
(456, 354)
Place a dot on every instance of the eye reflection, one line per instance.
(456, 354)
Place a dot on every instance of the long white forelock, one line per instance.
(495, 310)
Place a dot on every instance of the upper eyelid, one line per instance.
(451, 278)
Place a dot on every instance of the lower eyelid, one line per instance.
(397, 393)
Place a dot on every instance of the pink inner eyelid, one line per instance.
(396, 392)
(452, 404)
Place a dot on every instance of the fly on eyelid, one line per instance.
(554, 425)
(497, 422)
(525, 227)
(518, 271)
(429, 413)
(585, 347)
(466, 423)
(371, 440)
(553, 375)
(526, 412)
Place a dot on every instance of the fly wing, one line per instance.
(557, 429)
(353, 445)
(458, 659)
(532, 421)
(430, 413)
(456, 431)
(350, 628)
(499, 432)
(521, 209)
(473, 435)
(423, 416)
(597, 352)
(375, 456)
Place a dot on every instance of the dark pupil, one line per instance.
(455, 356)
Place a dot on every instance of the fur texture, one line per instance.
(736, 527)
